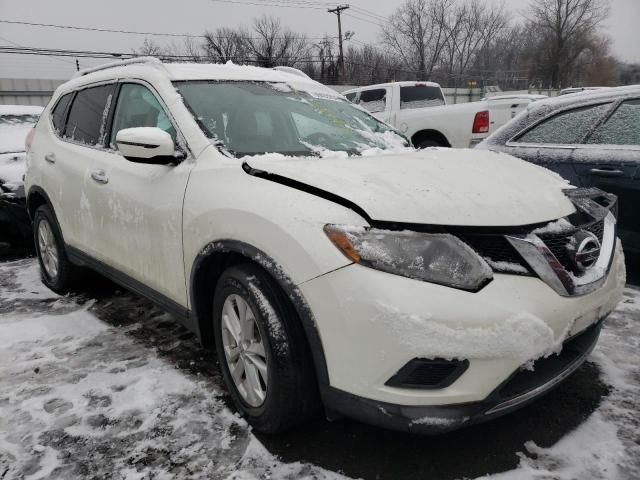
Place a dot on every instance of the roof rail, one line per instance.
(292, 71)
(121, 63)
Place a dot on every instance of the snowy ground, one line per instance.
(105, 385)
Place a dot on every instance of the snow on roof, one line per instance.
(229, 71)
(20, 110)
(587, 97)
(148, 67)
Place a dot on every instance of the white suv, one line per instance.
(329, 264)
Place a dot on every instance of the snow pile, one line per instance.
(559, 226)
(506, 267)
(522, 337)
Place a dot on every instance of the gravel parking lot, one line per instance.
(104, 385)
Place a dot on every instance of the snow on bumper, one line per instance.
(372, 323)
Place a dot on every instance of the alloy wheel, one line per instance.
(48, 249)
(244, 350)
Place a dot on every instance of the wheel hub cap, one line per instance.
(244, 350)
(48, 249)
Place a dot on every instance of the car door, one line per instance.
(137, 208)
(76, 135)
(610, 160)
(551, 142)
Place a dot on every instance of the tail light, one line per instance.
(481, 122)
(29, 140)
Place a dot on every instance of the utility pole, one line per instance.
(338, 10)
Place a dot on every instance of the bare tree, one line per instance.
(479, 24)
(417, 33)
(226, 44)
(567, 27)
(274, 45)
(150, 48)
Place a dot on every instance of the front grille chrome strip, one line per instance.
(545, 264)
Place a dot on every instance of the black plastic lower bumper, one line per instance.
(521, 388)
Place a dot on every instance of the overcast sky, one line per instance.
(196, 16)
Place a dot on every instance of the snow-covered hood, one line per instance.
(435, 186)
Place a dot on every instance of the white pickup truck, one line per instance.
(419, 110)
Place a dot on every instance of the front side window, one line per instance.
(249, 118)
(351, 96)
(373, 100)
(138, 107)
(621, 128)
(420, 96)
(88, 115)
(59, 113)
(566, 128)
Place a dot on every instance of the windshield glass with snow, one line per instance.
(18, 119)
(13, 130)
(251, 118)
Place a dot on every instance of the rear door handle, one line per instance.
(100, 176)
(607, 172)
(50, 157)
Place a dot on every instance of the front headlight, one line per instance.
(432, 257)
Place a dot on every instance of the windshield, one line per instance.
(252, 118)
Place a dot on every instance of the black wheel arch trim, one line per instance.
(36, 190)
(291, 290)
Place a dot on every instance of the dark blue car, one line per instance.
(592, 139)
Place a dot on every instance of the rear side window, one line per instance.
(622, 128)
(567, 127)
(373, 100)
(59, 113)
(420, 96)
(87, 121)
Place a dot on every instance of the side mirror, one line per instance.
(149, 145)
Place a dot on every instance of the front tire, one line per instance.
(429, 143)
(262, 351)
(56, 271)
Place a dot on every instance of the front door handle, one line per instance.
(100, 176)
(607, 172)
(50, 157)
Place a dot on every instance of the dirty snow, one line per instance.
(607, 445)
(112, 386)
(88, 389)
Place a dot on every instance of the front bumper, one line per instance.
(371, 324)
(521, 388)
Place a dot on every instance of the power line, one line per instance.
(272, 3)
(22, 46)
(364, 20)
(124, 55)
(129, 32)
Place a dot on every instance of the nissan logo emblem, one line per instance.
(584, 250)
